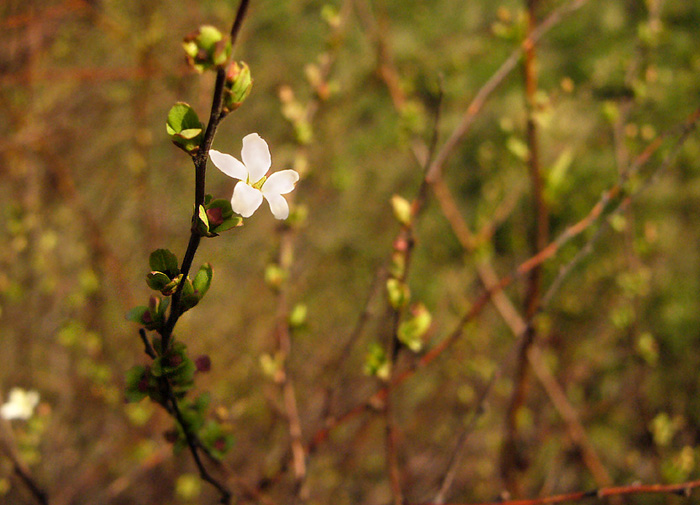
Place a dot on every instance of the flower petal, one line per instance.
(280, 183)
(278, 205)
(245, 199)
(228, 165)
(256, 156)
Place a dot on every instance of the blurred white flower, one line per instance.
(248, 195)
(20, 405)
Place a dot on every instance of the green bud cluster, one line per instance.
(237, 86)
(413, 329)
(376, 362)
(216, 216)
(207, 48)
(165, 277)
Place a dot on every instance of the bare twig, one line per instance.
(512, 460)
(9, 449)
(547, 253)
(436, 167)
(685, 489)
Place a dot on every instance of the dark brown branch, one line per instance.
(200, 163)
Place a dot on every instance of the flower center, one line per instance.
(258, 185)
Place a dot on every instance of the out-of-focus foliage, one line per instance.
(90, 184)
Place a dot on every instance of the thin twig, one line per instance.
(512, 461)
(436, 167)
(193, 445)
(19, 466)
(481, 302)
(684, 489)
(299, 453)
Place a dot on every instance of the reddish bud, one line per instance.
(203, 363)
(174, 360)
(401, 244)
(220, 444)
(215, 217)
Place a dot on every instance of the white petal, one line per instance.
(228, 165)
(256, 156)
(278, 205)
(245, 199)
(11, 411)
(280, 183)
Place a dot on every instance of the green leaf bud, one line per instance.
(157, 280)
(184, 127)
(376, 362)
(297, 317)
(162, 260)
(398, 292)
(275, 275)
(238, 85)
(202, 280)
(136, 314)
(136, 383)
(189, 297)
(220, 216)
(216, 439)
(207, 48)
(402, 210)
(412, 330)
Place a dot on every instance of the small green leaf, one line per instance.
(238, 85)
(136, 383)
(189, 297)
(518, 148)
(182, 118)
(190, 133)
(229, 223)
(136, 314)
(297, 316)
(398, 292)
(217, 441)
(402, 210)
(162, 260)
(208, 37)
(411, 331)
(203, 221)
(184, 127)
(202, 280)
(376, 362)
(157, 280)
(170, 288)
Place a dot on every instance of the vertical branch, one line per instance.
(284, 347)
(287, 236)
(200, 165)
(512, 458)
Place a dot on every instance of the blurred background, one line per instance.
(347, 93)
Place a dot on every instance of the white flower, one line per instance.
(20, 405)
(248, 195)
